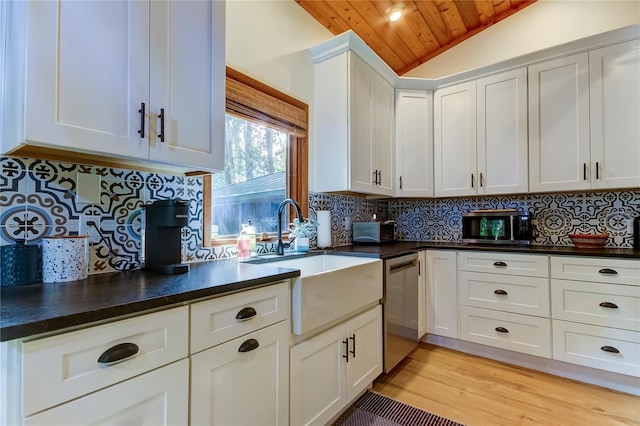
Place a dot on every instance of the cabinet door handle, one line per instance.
(501, 292)
(597, 171)
(375, 177)
(610, 349)
(472, 182)
(584, 171)
(379, 177)
(246, 314)
(499, 264)
(118, 353)
(400, 182)
(480, 179)
(609, 305)
(501, 330)
(608, 271)
(353, 343)
(248, 345)
(346, 349)
(161, 118)
(142, 112)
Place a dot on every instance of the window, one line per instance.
(265, 160)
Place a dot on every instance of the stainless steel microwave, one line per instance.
(496, 227)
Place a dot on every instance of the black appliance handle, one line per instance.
(118, 353)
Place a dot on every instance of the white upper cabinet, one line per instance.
(614, 74)
(502, 133)
(480, 136)
(94, 78)
(414, 143)
(583, 115)
(454, 124)
(354, 111)
(559, 124)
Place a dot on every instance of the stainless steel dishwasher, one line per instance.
(400, 308)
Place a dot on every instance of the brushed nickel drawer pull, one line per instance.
(500, 264)
(608, 271)
(501, 292)
(501, 330)
(609, 305)
(610, 349)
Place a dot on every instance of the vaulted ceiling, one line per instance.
(426, 28)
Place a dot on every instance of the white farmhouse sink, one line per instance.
(330, 287)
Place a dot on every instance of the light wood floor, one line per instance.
(478, 391)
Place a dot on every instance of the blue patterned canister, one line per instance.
(65, 258)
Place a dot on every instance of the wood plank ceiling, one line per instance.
(426, 28)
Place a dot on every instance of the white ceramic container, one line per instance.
(65, 258)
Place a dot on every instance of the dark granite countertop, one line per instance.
(399, 248)
(39, 308)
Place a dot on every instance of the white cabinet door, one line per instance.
(86, 75)
(187, 83)
(160, 397)
(243, 381)
(422, 293)
(354, 145)
(328, 371)
(502, 133)
(442, 296)
(414, 143)
(559, 155)
(455, 140)
(614, 74)
(360, 113)
(383, 101)
(318, 383)
(365, 351)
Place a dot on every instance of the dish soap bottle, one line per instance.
(251, 233)
(243, 246)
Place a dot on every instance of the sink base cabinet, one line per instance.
(244, 381)
(330, 370)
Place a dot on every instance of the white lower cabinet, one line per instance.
(330, 370)
(442, 296)
(160, 397)
(244, 381)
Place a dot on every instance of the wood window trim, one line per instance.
(255, 101)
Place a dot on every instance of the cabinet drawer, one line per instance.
(157, 398)
(59, 368)
(585, 345)
(520, 295)
(520, 333)
(608, 305)
(219, 320)
(504, 263)
(596, 269)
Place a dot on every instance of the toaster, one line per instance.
(374, 232)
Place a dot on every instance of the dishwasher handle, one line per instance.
(399, 267)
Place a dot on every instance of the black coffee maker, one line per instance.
(162, 223)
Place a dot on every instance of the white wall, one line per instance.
(543, 24)
(269, 41)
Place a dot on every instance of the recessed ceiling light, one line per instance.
(395, 11)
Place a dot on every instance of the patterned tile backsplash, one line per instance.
(39, 198)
